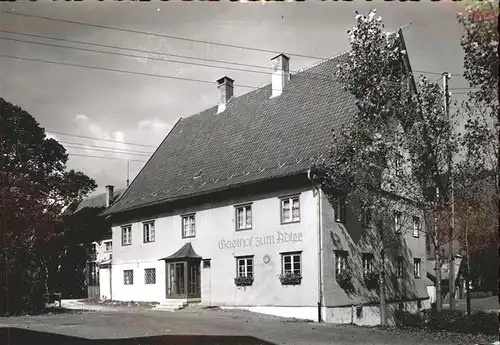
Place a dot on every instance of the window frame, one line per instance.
(129, 227)
(236, 218)
(417, 262)
(292, 256)
(340, 210)
(339, 268)
(370, 259)
(144, 224)
(290, 199)
(245, 258)
(417, 226)
(131, 282)
(188, 216)
(400, 267)
(153, 269)
(105, 246)
(397, 222)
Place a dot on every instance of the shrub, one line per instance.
(449, 320)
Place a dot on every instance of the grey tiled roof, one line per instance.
(256, 138)
(97, 201)
(185, 252)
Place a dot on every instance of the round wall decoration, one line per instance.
(266, 259)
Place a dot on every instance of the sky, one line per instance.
(141, 109)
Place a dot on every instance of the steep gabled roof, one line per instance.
(97, 202)
(256, 138)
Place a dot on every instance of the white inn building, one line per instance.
(225, 214)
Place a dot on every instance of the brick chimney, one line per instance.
(281, 74)
(226, 90)
(109, 195)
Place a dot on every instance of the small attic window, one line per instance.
(198, 174)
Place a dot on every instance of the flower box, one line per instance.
(243, 281)
(344, 277)
(290, 279)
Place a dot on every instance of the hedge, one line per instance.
(449, 320)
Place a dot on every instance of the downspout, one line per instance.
(320, 242)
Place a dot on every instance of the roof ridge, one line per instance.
(268, 84)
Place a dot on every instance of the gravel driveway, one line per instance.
(256, 328)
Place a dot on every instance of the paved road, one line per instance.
(127, 323)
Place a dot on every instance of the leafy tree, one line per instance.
(35, 189)
(396, 148)
(481, 140)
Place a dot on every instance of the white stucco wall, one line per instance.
(104, 283)
(215, 228)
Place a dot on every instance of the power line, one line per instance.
(110, 151)
(95, 138)
(104, 147)
(134, 56)
(152, 52)
(158, 59)
(136, 50)
(137, 73)
(117, 158)
(160, 35)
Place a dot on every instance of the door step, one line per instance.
(171, 305)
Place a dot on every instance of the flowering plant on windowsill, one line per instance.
(290, 278)
(371, 279)
(243, 281)
(344, 277)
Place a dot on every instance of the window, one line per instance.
(149, 232)
(397, 222)
(206, 263)
(188, 226)
(291, 263)
(367, 263)
(108, 246)
(290, 209)
(416, 267)
(128, 277)
(244, 266)
(126, 235)
(244, 217)
(340, 261)
(150, 276)
(399, 267)
(340, 211)
(366, 219)
(359, 312)
(416, 227)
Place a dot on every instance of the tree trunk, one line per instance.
(439, 297)
(383, 304)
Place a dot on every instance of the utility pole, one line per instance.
(437, 253)
(451, 195)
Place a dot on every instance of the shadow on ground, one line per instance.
(17, 336)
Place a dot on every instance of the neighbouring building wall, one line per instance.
(215, 233)
(355, 240)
